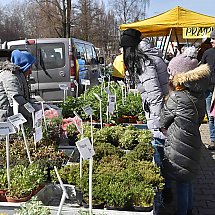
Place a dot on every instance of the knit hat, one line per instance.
(130, 38)
(183, 62)
(212, 34)
(23, 59)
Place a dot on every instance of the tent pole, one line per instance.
(176, 36)
(169, 37)
(163, 43)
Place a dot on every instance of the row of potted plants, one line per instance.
(127, 109)
(123, 173)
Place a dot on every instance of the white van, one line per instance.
(60, 61)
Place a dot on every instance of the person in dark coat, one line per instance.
(181, 116)
(209, 58)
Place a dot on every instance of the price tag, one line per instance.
(29, 107)
(63, 86)
(6, 128)
(17, 119)
(107, 90)
(85, 82)
(97, 96)
(76, 83)
(38, 118)
(85, 148)
(38, 135)
(88, 110)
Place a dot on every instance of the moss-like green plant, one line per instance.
(33, 207)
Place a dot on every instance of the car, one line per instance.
(62, 66)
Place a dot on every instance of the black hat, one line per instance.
(212, 34)
(130, 38)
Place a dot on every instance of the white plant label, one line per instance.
(76, 83)
(63, 86)
(78, 122)
(97, 96)
(38, 134)
(17, 119)
(38, 118)
(88, 110)
(29, 107)
(6, 128)
(107, 90)
(121, 83)
(100, 80)
(15, 107)
(85, 82)
(111, 104)
(85, 148)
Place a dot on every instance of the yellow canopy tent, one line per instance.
(176, 18)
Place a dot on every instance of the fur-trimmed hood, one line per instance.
(7, 65)
(195, 80)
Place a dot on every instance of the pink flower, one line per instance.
(49, 114)
(66, 122)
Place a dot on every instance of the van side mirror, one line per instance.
(101, 60)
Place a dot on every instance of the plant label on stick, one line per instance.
(97, 96)
(78, 122)
(111, 103)
(63, 87)
(100, 80)
(85, 82)
(17, 119)
(29, 107)
(107, 90)
(88, 110)
(76, 83)
(38, 135)
(38, 118)
(6, 128)
(121, 83)
(85, 148)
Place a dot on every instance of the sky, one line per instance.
(159, 6)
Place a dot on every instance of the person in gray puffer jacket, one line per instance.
(181, 116)
(147, 68)
(153, 84)
(13, 84)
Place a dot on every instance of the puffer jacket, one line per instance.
(12, 85)
(182, 115)
(153, 85)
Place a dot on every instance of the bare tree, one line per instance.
(129, 10)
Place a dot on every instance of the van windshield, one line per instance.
(48, 55)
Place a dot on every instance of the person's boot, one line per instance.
(211, 146)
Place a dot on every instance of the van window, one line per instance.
(91, 54)
(49, 55)
(81, 52)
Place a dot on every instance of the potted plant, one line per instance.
(34, 206)
(3, 184)
(72, 134)
(141, 119)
